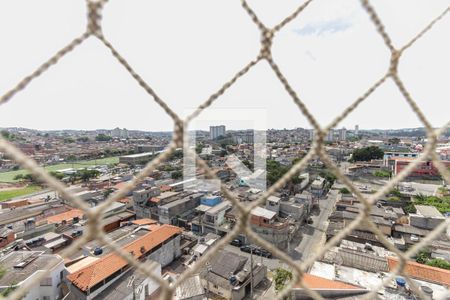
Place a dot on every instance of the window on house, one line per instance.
(46, 281)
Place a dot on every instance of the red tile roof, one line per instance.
(316, 282)
(144, 222)
(154, 199)
(65, 216)
(124, 200)
(165, 188)
(423, 272)
(120, 185)
(97, 271)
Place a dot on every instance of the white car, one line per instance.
(414, 238)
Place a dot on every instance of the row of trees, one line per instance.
(83, 175)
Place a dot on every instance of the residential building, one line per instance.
(214, 217)
(311, 134)
(330, 136)
(190, 289)
(133, 285)
(229, 275)
(243, 137)
(216, 131)
(343, 134)
(170, 212)
(7, 236)
(161, 245)
(210, 200)
(424, 168)
(21, 268)
(317, 187)
(426, 217)
(271, 228)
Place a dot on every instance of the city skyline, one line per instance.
(100, 93)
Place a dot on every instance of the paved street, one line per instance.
(314, 234)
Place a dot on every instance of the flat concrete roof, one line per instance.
(262, 212)
(428, 211)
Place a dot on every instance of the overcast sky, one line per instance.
(186, 50)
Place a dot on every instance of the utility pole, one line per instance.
(251, 272)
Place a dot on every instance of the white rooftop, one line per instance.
(428, 211)
(262, 212)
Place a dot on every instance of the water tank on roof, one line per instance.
(427, 291)
(401, 282)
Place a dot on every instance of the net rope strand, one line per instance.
(94, 215)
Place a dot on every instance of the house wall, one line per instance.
(277, 236)
(297, 211)
(9, 238)
(53, 291)
(167, 253)
(424, 222)
(258, 275)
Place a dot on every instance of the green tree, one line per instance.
(18, 177)
(423, 256)
(176, 174)
(107, 192)
(394, 141)
(103, 138)
(382, 173)
(248, 164)
(5, 134)
(280, 277)
(57, 175)
(344, 190)
(329, 176)
(69, 140)
(367, 154)
(85, 175)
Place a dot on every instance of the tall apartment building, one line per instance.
(216, 131)
(356, 129)
(330, 136)
(343, 134)
(120, 133)
(311, 134)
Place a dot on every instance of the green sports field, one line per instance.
(9, 176)
(6, 195)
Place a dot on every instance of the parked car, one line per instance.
(236, 242)
(248, 248)
(98, 251)
(256, 251)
